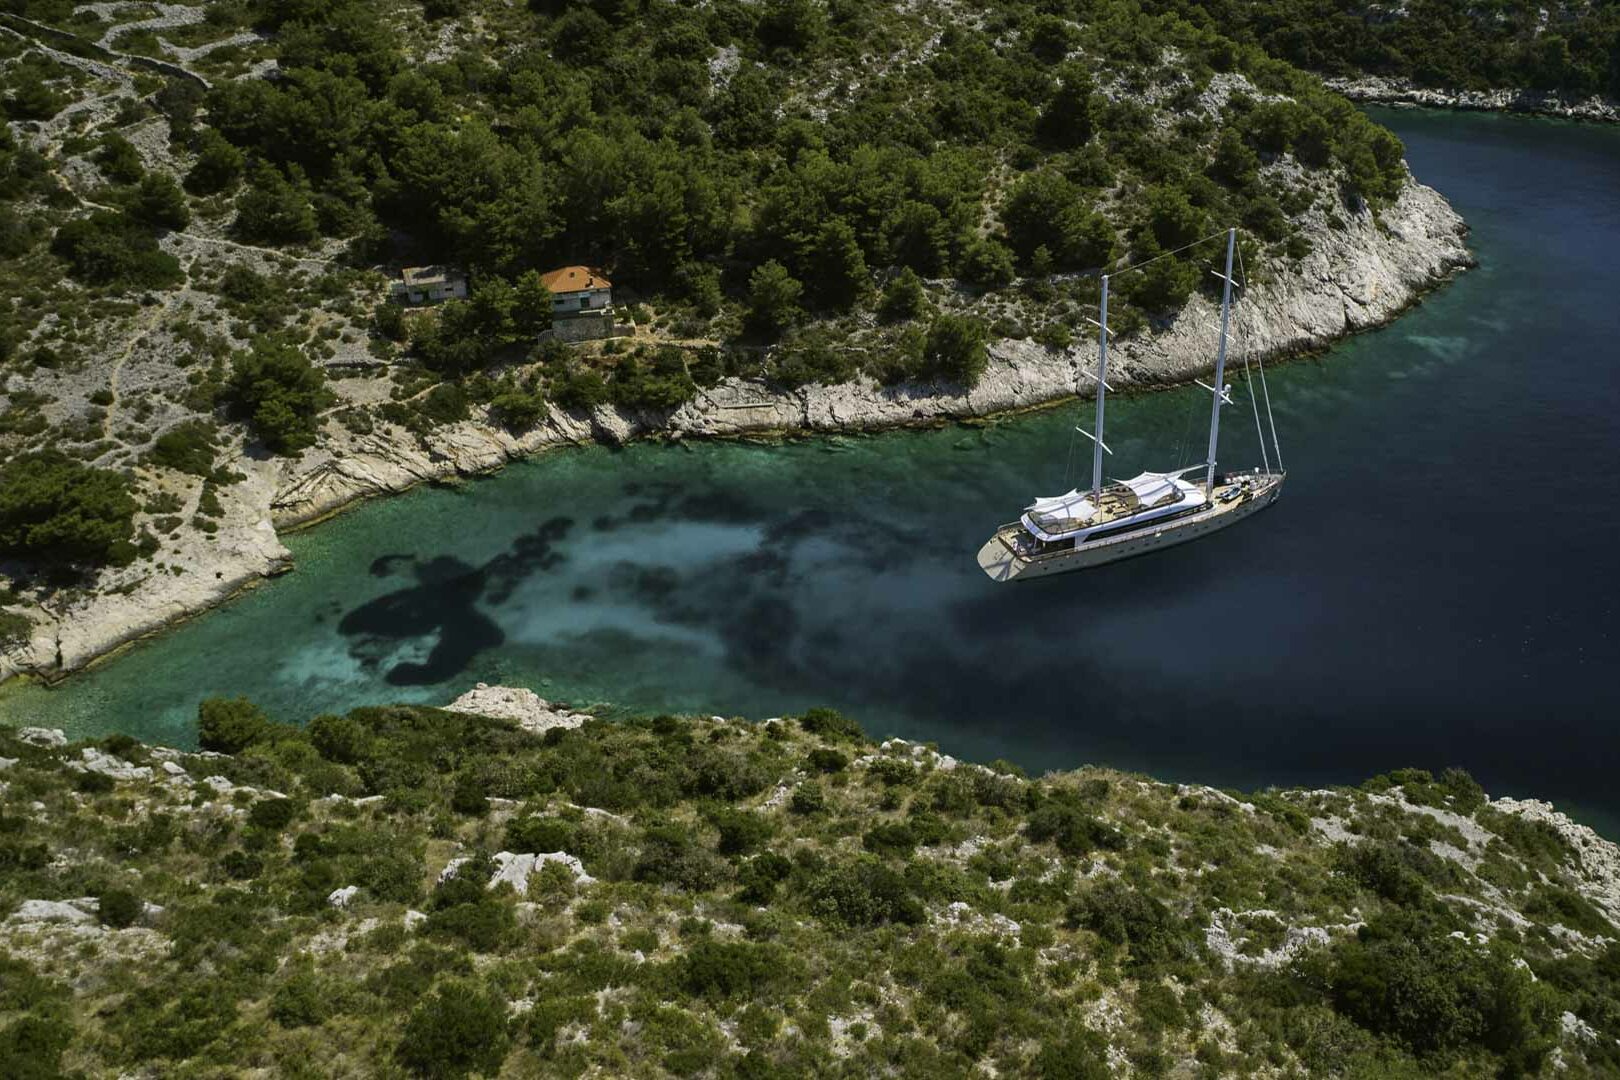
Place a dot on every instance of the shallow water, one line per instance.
(1437, 585)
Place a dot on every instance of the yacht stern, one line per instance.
(996, 559)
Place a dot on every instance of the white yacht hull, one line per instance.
(999, 559)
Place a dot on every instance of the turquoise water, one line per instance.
(1436, 586)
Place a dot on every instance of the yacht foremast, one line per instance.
(1218, 392)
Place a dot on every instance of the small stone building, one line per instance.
(430, 285)
(577, 290)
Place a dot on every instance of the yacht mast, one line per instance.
(1220, 365)
(1098, 448)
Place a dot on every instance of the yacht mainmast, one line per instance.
(1219, 389)
(1098, 449)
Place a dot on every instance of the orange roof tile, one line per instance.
(574, 279)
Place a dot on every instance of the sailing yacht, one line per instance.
(1122, 518)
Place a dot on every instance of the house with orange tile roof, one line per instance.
(576, 290)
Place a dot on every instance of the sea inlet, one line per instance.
(1436, 587)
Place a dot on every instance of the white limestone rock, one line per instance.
(1225, 934)
(515, 869)
(961, 914)
(413, 919)
(342, 898)
(46, 737)
(529, 710)
(51, 911)
(96, 761)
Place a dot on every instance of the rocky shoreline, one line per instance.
(1387, 91)
(1356, 278)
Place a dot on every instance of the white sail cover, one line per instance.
(1150, 487)
(1073, 506)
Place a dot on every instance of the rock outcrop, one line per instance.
(1363, 270)
(531, 711)
(1387, 91)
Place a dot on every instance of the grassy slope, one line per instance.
(778, 899)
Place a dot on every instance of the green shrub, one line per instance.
(175, 1022)
(242, 865)
(864, 893)
(578, 387)
(812, 359)
(903, 297)
(158, 203)
(808, 799)
(1151, 935)
(1407, 978)
(119, 160)
(1395, 871)
(483, 923)
(112, 249)
(445, 404)
(460, 1028)
(187, 447)
(31, 1047)
(1078, 1055)
(280, 394)
(301, 1000)
(539, 833)
(669, 855)
(30, 98)
(118, 908)
(740, 830)
(518, 410)
(760, 876)
(955, 349)
(987, 263)
(824, 759)
(275, 209)
(55, 509)
(773, 299)
(1560, 904)
(1072, 828)
(467, 795)
(720, 970)
(831, 724)
(895, 839)
(272, 815)
(342, 739)
(218, 166)
(93, 783)
(14, 627)
(663, 384)
(231, 725)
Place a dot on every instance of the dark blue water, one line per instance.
(1437, 586)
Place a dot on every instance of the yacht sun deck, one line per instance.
(1076, 515)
